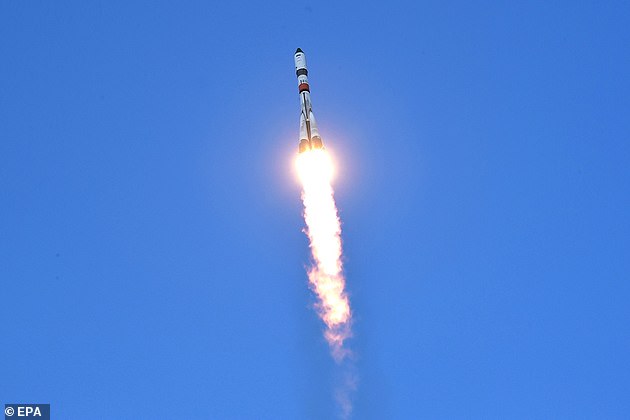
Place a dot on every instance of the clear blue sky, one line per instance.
(151, 253)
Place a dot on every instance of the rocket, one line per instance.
(309, 134)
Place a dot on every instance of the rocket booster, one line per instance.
(309, 134)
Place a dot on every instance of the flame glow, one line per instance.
(323, 229)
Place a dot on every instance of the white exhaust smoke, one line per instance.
(326, 278)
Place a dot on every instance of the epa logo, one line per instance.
(23, 411)
(28, 411)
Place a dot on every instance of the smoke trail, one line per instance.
(323, 229)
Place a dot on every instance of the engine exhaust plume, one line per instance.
(326, 278)
(323, 229)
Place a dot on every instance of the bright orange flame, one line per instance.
(315, 169)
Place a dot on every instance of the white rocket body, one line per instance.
(309, 134)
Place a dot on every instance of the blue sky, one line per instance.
(151, 253)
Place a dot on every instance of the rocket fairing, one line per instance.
(309, 134)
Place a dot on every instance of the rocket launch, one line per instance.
(309, 134)
(323, 228)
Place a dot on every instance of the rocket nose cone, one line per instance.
(299, 50)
